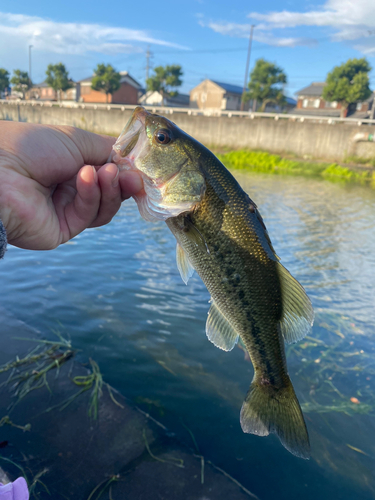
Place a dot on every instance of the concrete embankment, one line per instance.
(303, 139)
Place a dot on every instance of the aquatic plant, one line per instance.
(337, 375)
(261, 161)
(30, 372)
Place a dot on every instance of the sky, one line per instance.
(208, 38)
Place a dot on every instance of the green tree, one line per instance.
(165, 79)
(106, 79)
(58, 78)
(21, 81)
(266, 84)
(4, 79)
(348, 83)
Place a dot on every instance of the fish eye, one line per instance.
(163, 136)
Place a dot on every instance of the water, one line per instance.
(116, 292)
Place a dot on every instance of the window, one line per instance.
(359, 106)
(332, 104)
(305, 103)
(204, 97)
(316, 103)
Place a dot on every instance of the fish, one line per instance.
(221, 234)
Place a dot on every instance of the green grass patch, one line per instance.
(261, 161)
(359, 160)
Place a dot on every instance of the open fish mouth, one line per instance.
(131, 140)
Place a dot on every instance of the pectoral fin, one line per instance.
(219, 331)
(183, 264)
(194, 235)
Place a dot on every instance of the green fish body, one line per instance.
(221, 235)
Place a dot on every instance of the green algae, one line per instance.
(261, 161)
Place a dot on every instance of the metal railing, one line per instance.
(194, 111)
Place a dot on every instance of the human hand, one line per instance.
(49, 192)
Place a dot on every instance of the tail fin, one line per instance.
(268, 409)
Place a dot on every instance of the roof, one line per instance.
(183, 99)
(314, 89)
(233, 89)
(290, 101)
(125, 78)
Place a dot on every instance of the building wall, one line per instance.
(207, 95)
(328, 142)
(90, 95)
(126, 94)
(310, 101)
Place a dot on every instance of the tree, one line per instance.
(106, 78)
(4, 79)
(58, 78)
(348, 83)
(21, 81)
(165, 79)
(266, 84)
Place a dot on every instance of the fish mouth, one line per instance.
(128, 145)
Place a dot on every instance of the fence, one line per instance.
(196, 112)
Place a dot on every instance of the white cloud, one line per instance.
(73, 38)
(347, 20)
(243, 30)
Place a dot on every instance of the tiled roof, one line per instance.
(314, 89)
(234, 89)
(124, 76)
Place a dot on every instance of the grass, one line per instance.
(261, 161)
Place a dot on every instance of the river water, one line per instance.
(116, 292)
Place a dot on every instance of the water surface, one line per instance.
(116, 292)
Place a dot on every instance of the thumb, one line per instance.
(82, 211)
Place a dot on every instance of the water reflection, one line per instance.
(118, 294)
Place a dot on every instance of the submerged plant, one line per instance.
(30, 372)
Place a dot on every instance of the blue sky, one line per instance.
(208, 38)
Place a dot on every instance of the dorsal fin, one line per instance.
(298, 314)
(219, 331)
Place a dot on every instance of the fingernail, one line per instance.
(95, 175)
(115, 180)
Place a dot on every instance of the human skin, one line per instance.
(55, 183)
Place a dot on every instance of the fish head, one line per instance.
(168, 161)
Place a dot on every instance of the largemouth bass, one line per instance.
(220, 233)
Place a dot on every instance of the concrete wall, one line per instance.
(306, 139)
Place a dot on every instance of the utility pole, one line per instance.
(247, 65)
(30, 47)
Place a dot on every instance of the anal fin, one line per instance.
(219, 331)
(298, 314)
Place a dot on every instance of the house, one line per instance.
(126, 94)
(287, 107)
(43, 92)
(211, 94)
(154, 98)
(310, 101)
